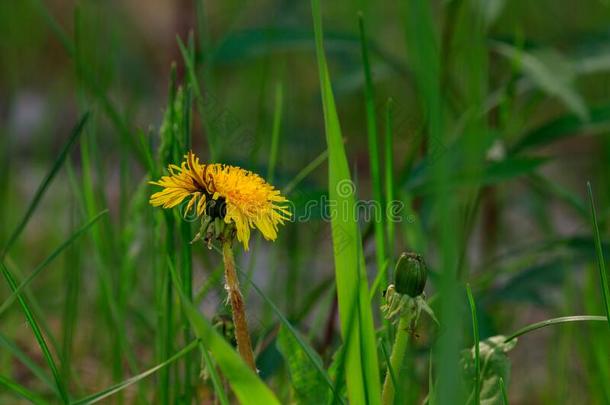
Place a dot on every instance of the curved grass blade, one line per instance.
(26, 361)
(600, 255)
(49, 259)
(21, 391)
(362, 368)
(42, 188)
(61, 387)
(91, 399)
(555, 321)
(475, 335)
(247, 386)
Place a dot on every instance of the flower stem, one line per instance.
(244, 347)
(398, 354)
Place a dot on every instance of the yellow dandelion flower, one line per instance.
(237, 196)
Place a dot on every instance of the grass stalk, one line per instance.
(600, 255)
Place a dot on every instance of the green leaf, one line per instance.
(309, 386)
(247, 386)
(362, 369)
(551, 72)
(495, 365)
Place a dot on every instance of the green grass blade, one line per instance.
(600, 254)
(555, 321)
(216, 382)
(306, 171)
(373, 141)
(389, 179)
(61, 387)
(362, 369)
(247, 386)
(21, 391)
(42, 188)
(26, 361)
(91, 399)
(189, 64)
(48, 260)
(275, 133)
(475, 335)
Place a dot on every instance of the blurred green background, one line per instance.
(524, 240)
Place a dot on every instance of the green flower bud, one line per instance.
(410, 274)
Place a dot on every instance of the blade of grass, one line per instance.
(555, 321)
(26, 361)
(373, 141)
(61, 387)
(600, 254)
(21, 391)
(275, 133)
(475, 335)
(91, 399)
(42, 188)
(306, 171)
(362, 372)
(216, 382)
(247, 386)
(189, 64)
(389, 180)
(49, 259)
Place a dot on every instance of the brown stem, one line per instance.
(244, 347)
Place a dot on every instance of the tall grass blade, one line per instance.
(275, 132)
(48, 260)
(31, 364)
(216, 381)
(362, 369)
(389, 179)
(475, 335)
(61, 386)
(21, 391)
(42, 188)
(600, 254)
(373, 140)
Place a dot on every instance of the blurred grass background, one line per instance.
(515, 100)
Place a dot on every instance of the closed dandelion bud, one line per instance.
(410, 274)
